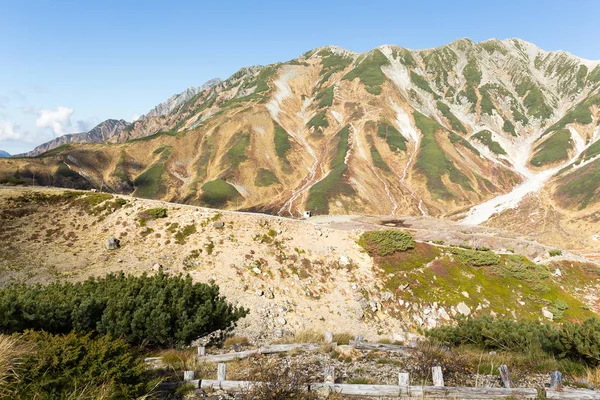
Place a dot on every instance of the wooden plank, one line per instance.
(429, 391)
(403, 379)
(282, 348)
(229, 356)
(380, 346)
(230, 386)
(582, 394)
(505, 376)
(221, 372)
(437, 376)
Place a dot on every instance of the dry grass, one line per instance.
(593, 375)
(236, 341)
(11, 355)
(187, 360)
(303, 337)
(342, 338)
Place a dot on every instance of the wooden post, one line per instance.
(188, 376)
(221, 372)
(403, 379)
(201, 351)
(438, 376)
(330, 374)
(328, 337)
(359, 338)
(556, 381)
(505, 376)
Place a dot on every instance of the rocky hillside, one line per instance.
(467, 130)
(294, 275)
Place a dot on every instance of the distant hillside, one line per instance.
(4, 154)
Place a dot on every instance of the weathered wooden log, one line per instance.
(403, 379)
(229, 356)
(201, 351)
(282, 348)
(505, 376)
(329, 374)
(230, 386)
(556, 381)
(328, 337)
(429, 391)
(582, 394)
(221, 372)
(189, 375)
(437, 376)
(380, 346)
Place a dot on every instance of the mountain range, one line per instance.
(4, 154)
(471, 131)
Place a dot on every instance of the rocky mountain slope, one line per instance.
(4, 154)
(466, 131)
(101, 133)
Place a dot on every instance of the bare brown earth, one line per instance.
(293, 275)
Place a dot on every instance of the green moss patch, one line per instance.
(325, 98)
(377, 160)
(218, 193)
(282, 141)
(392, 136)
(265, 177)
(421, 83)
(581, 187)
(485, 137)
(454, 121)
(553, 149)
(318, 122)
(149, 183)
(237, 152)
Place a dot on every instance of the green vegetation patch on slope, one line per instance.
(422, 83)
(509, 283)
(265, 177)
(369, 71)
(332, 63)
(553, 149)
(149, 183)
(218, 193)
(392, 136)
(485, 137)
(473, 76)
(320, 193)
(534, 100)
(433, 162)
(580, 113)
(581, 187)
(454, 121)
(282, 141)
(377, 160)
(325, 98)
(454, 138)
(508, 127)
(476, 258)
(237, 152)
(319, 121)
(386, 242)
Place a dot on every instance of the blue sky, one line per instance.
(68, 65)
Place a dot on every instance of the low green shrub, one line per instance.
(60, 366)
(555, 253)
(158, 212)
(575, 341)
(386, 242)
(154, 310)
(476, 258)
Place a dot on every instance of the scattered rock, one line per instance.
(259, 292)
(256, 270)
(112, 243)
(466, 294)
(218, 224)
(558, 272)
(463, 308)
(156, 267)
(344, 260)
(546, 313)
(348, 351)
(281, 321)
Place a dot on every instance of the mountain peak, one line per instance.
(4, 154)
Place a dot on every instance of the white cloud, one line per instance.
(56, 120)
(10, 131)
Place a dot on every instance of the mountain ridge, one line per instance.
(441, 131)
